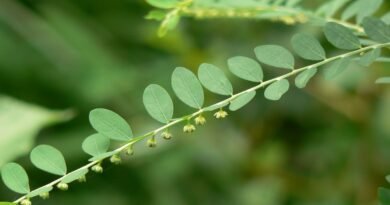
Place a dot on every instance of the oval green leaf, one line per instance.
(376, 29)
(276, 56)
(15, 178)
(308, 47)
(337, 68)
(370, 57)
(96, 144)
(217, 106)
(242, 100)
(351, 10)
(187, 87)
(277, 89)
(48, 159)
(110, 124)
(37, 192)
(341, 37)
(367, 8)
(214, 80)
(158, 103)
(73, 176)
(303, 78)
(246, 68)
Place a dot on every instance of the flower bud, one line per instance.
(152, 142)
(189, 128)
(220, 114)
(115, 159)
(166, 135)
(200, 120)
(97, 168)
(25, 202)
(62, 186)
(82, 179)
(130, 150)
(44, 195)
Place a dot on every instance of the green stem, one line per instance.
(212, 108)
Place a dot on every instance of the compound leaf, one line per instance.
(242, 100)
(96, 144)
(48, 159)
(15, 178)
(308, 47)
(275, 55)
(158, 103)
(213, 79)
(341, 37)
(277, 89)
(246, 68)
(110, 124)
(376, 29)
(187, 87)
(303, 78)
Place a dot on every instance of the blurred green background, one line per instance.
(328, 144)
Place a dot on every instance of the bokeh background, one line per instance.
(328, 144)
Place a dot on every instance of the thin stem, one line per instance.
(212, 108)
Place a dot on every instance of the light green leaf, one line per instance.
(48, 159)
(331, 7)
(187, 87)
(169, 23)
(386, 18)
(164, 4)
(246, 68)
(383, 80)
(15, 178)
(158, 103)
(303, 78)
(157, 15)
(20, 122)
(341, 37)
(351, 10)
(370, 57)
(101, 156)
(384, 196)
(308, 47)
(336, 68)
(242, 100)
(45, 189)
(74, 176)
(368, 8)
(277, 89)
(275, 55)
(96, 144)
(110, 124)
(213, 79)
(217, 106)
(376, 29)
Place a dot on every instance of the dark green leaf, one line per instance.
(383, 80)
(49, 159)
(15, 178)
(336, 68)
(37, 192)
(277, 89)
(110, 124)
(376, 29)
(246, 68)
(341, 37)
(96, 144)
(242, 100)
(158, 103)
(308, 47)
(74, 176)
(370, 57)
(187, 87)
(303, 78)
(384, 196)
(276, 56)
(213, 79)
(164, 4)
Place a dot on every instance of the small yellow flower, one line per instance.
(200, 120)
(152, 142)
(189, 128)
(115, 159)
(166, 135)
(82, 179)
(130, 151)
(44, 195)
(62, 186)
(220, 114)
(25, 202)
(97, 168)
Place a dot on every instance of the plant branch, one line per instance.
(212, 108)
